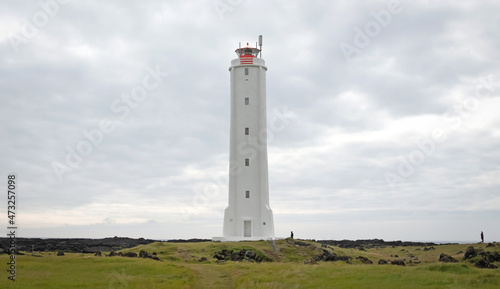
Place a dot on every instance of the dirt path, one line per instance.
(210, 276)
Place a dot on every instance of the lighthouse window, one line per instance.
(247, 130)
(247, 194)
(247, 100)
(247, 162)
(246, 71)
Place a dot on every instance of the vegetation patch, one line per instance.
(451, 268)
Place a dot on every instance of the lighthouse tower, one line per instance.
(248, 215)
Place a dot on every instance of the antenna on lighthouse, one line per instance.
(260, 44)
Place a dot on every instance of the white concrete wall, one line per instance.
(253, 178)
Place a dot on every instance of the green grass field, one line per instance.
(180, 268)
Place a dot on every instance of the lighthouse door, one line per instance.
(247, 228)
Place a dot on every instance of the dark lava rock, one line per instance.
(490, 256)
(203, 259)
(243, 254)
(398, 262)
(112, 253)
(188, 240)
(75, 245)
(220, 255)
(430, 248)
(364, 260)
(490, 245)
(447, 258)
(98, 254)
(130, 255)
(485, 263)
(470, 253)
(382, 262)
(330, 257)
(250, 255)
(143, 254)
(372, 243)
(60, 253)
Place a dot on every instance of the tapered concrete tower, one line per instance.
(248, 215)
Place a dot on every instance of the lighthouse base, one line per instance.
(240, 239)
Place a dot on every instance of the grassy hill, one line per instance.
(295, 265)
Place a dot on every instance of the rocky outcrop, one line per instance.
(487, 258)
(382, 262)
(470, 253)
(490, 256)
(243, 254)
(364, 260)
(145, 254)
(398, 262)
(75, 245)
(130, 255)
(485, 263)
(188, 241)
(372, 243)
(446, 258)
(327, 256)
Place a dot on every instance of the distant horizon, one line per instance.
(156, 239)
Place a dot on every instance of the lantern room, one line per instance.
(248, 51)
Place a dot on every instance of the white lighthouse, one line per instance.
(248, 215)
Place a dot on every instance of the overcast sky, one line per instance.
(385, 116)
